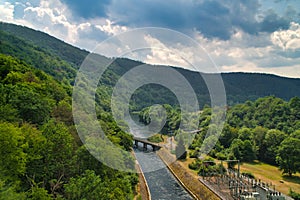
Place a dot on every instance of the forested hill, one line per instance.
(44, 41)
(41, 155)
(61, 60)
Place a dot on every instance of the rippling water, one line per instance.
(161, 182)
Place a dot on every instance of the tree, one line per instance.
(32, 106)
(236, 149)
(228, 134)
(12, 156)
(249, 151)
(86, 186)
(288, 156)
(259, 134)
(63, 112)
(245, 134)
(8, 113)
(91, 186)
(243, 150)
(271, 142)
(296, 134)
(57, 155)
(9, 192)
(180, 150)
(38, 193)
(35, 147)
(295, 107)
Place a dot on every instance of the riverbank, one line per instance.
(191, 184)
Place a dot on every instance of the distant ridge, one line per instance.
(61, 60)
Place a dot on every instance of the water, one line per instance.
(162, 184)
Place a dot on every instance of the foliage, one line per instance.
(40, 149)
(270, 145)
(12, 156)
(294, 195)
(157, 138)
(38, 193)
(195, 165)
(209, 168)
(90, 186)
(288, 156)
(38, 134)
(242, 150)
(248, 174)
(9, 191)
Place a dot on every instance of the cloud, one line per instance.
(245, 52)
(272, 22)
(212, 18)
(111, 29)
(287, 39)
(286, 71)
(88, 8)
(239, 35)
(52, 17)
(7, 11)
(56, 18)
(219, 19)
(164, 55)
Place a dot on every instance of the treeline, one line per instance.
(266, 130)
(36, 86)
(41, 155)
(61, 61)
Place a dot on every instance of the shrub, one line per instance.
(155, 138)
(195, 165)
(294, 195)
(248, 174)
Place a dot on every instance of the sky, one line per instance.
(238, 35)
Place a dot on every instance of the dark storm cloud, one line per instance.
(213, 18)
(273, 22)
(88, 8)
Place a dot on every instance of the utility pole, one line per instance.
(237, 185)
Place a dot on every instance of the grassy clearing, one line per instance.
(266, 173)
(271, 174)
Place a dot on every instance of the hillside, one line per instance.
(42, 155)
(63, 60)
(57, 47)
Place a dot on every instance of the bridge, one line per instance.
(145, 143)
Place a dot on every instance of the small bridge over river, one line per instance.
(145, 143)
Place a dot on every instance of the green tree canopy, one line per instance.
(12, 156)
(288, 156)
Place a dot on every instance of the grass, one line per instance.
(157, 138)
(266, 173)
(271, 174)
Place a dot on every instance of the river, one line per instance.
(162, 184)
